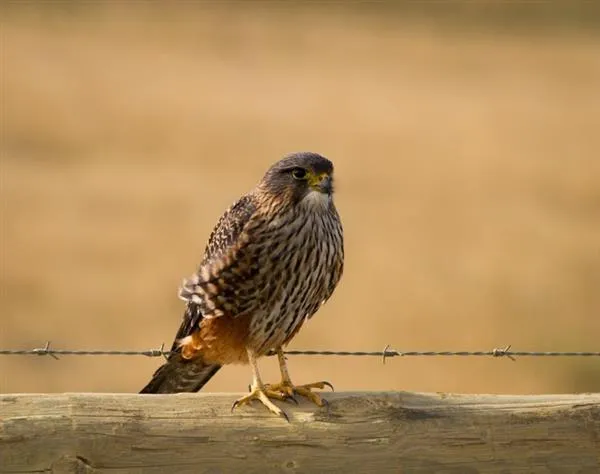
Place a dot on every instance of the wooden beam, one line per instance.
(358, 432)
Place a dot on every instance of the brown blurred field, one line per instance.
(468, 177)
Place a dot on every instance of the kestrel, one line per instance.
(272, 260)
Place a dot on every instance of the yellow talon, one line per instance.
(286, 387)
(288, 390)
(263, 395)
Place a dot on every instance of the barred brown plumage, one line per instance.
(273, 258)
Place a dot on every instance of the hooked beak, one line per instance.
(322, 183)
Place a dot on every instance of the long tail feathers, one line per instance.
(181, 375)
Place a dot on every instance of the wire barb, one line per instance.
(387, 353)
(42, 351)
(158, 352)
(503, 353)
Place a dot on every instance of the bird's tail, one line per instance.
(181, 375)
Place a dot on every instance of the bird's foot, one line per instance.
(263, 395)
(288, 390)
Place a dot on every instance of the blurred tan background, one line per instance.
(467, 149)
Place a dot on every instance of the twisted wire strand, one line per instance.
(387, 352)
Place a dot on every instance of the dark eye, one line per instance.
(299, 173)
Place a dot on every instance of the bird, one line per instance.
(273, 258)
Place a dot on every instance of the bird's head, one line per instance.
(300, 177)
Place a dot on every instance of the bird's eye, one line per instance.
(299, 173)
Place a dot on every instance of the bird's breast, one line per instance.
(301, 268)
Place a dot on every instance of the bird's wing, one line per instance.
(226, 233)
(215, 289)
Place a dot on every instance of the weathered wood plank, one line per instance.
(358, 432)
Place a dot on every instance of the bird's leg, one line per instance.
(260, 392)
(288, 389)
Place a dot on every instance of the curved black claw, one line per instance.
(284, 416)
(329, 385)
(292, 398)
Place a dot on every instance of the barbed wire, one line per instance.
(386, 353)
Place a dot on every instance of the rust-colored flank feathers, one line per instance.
(273, 258)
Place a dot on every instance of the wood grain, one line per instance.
(358, 432)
